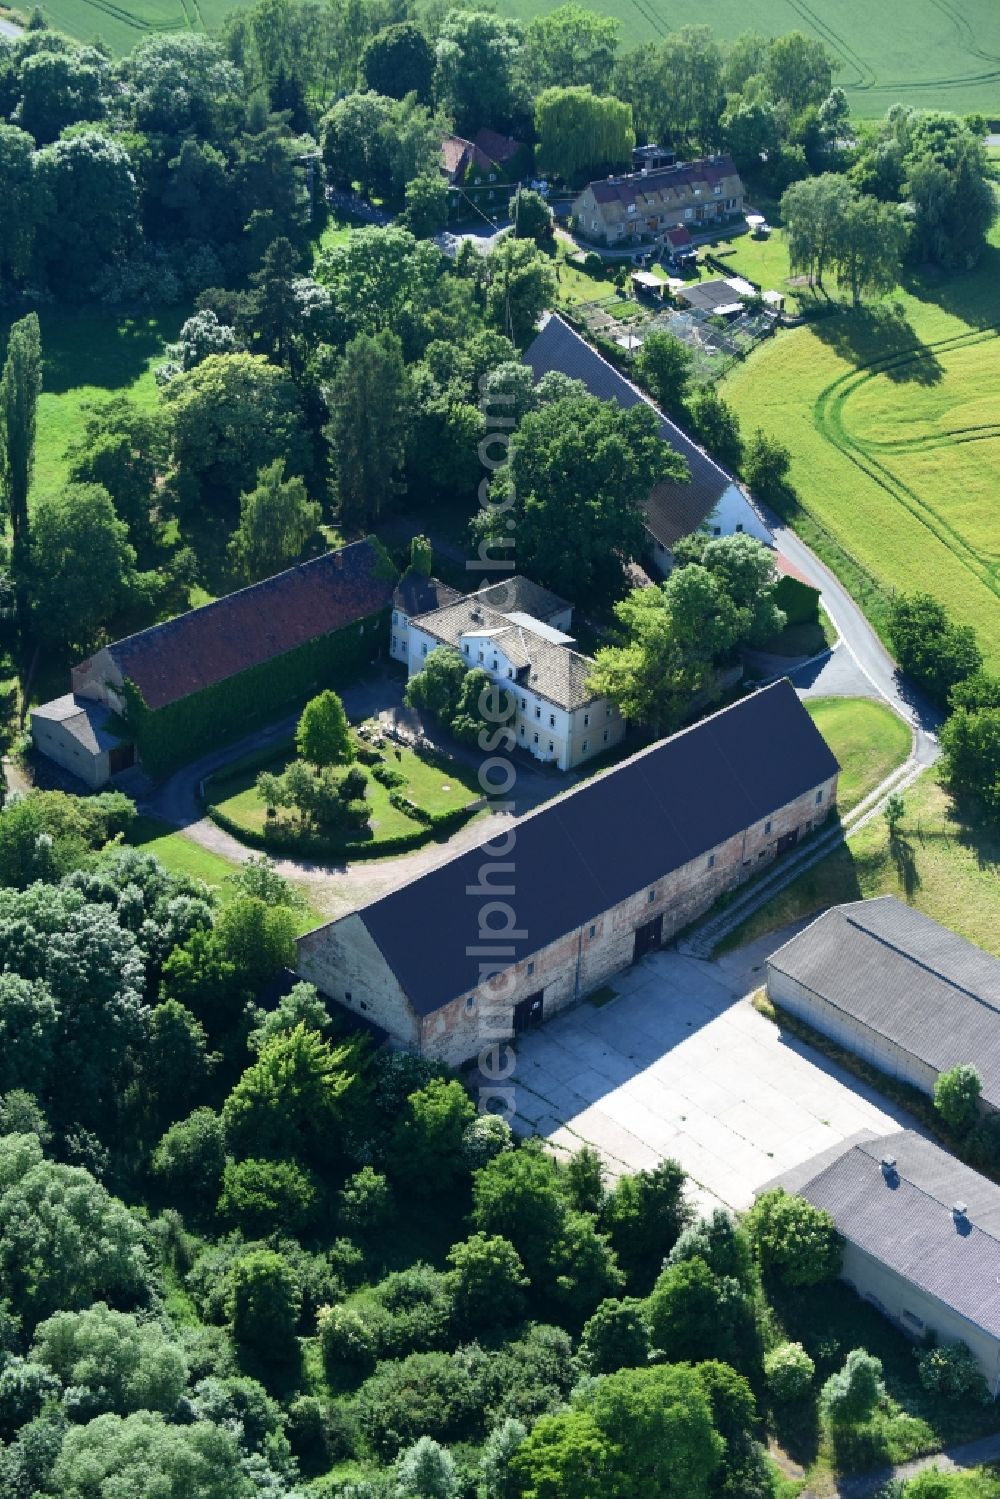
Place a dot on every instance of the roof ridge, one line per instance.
(558, 318)
(919, 962)
(646, 752)
(927, 1195)
(248, 588)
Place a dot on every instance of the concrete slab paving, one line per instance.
(681, 1064)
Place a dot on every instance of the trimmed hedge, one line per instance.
(317, 846)
(798, 600)
(170, 736)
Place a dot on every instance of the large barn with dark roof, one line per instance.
(343, 597)
(708, 497)
(492, 941)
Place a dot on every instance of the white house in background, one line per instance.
(516, 632)
(710, 499)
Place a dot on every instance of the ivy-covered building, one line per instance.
(170, 691)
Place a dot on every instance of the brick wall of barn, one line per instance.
(578, 963)
(343, 962)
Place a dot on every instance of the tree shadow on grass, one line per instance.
(904, 860)
(107, 348)
(882, 334)
(973, 296)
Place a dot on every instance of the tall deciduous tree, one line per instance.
(277, 518)
(570, 45)
(475, 67)
(579, 473)
(367, 427)
(323, 735)
(581, 133)
(813, 212)
(20, 387)
(82, 564)
(23, 204)
(398, 61)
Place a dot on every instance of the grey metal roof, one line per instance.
(554, 672)
(674, 509)
(86, 720)
(904, 976)
(598, 844)
(903, 1217)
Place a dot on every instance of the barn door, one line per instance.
(787, 841)
(648, 937)
(528, 1014)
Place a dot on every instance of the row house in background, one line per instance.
(647, 205)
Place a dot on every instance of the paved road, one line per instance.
(952, 1460)
(869, 655)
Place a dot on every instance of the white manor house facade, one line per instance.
(516, 632)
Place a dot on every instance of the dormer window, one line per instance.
(631, 208)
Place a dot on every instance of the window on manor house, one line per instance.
(711, 861)
(552, 720)
(767, 826)
(583, 747)
(593, 931)
(531, 969)
(819, 797)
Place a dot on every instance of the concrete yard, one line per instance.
(681, 1064)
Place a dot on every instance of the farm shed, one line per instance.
(921, 1236)
(179, 685)
(891, 985)
(710, 497)
(492, 941)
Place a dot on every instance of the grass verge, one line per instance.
(942, 863)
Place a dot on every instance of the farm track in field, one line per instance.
(829, 421)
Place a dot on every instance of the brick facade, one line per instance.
(344, 962)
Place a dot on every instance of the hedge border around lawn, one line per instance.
(319, 848)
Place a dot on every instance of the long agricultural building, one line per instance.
(489, 943)
(898, 989)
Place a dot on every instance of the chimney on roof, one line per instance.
(338, 559)
(959, 1211)
(889, 1170)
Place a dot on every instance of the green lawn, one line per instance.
(435, 787)
(90, 356)
(181, 855)
(943, 866)
(891, 415)
(867, 738)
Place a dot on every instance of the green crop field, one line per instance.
(892, 415)
(941, 54)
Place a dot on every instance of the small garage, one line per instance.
(76, 733)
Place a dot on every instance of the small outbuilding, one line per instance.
(921, 1236)
(78, 735)
(906, 994)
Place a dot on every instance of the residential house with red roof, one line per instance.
(483, 171)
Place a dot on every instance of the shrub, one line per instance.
(345, 1337)
(388, 775)
(483, 1138)
(983, 1142)
(850, 1395)
(952, 1372)
(616, 1337)
(264, 1302)
(261, 1197)
(956, 1097)
(593, 264)
(789, 1371)
(930, 647)
(366, 1201)
(793, 1240)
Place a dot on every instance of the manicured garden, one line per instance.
(440, 789)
